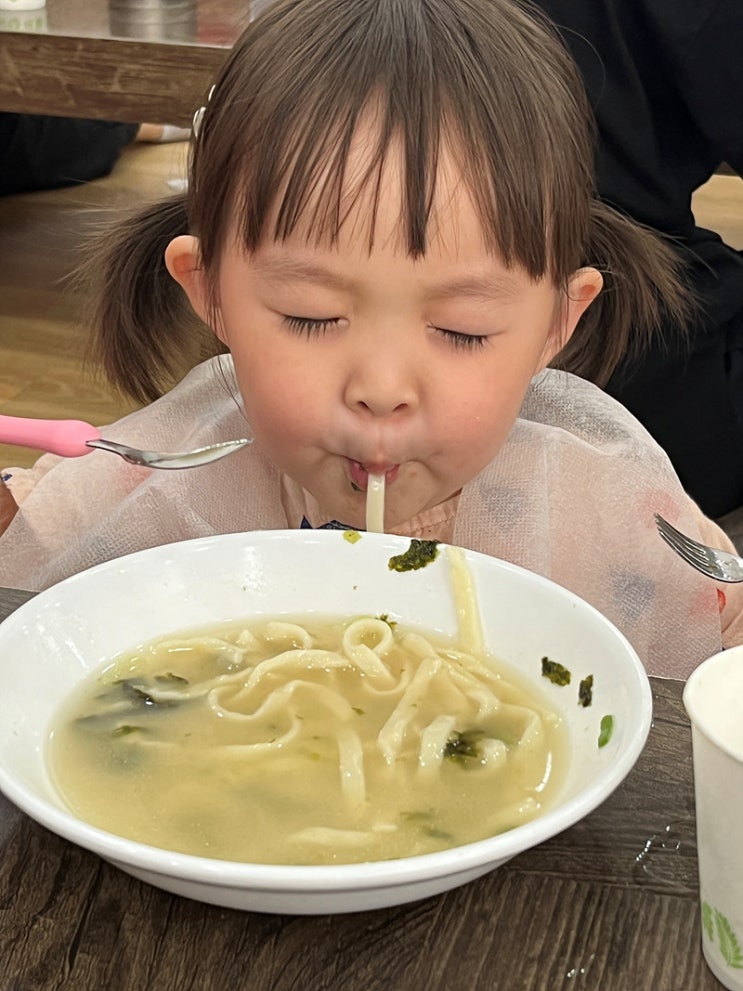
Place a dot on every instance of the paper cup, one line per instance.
(22, 4)
(713, 697)
(23, 21)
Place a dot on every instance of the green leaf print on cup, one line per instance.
(715, 922)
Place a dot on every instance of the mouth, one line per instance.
(359, 474)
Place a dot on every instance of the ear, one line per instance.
(583, 287)
(183, 261)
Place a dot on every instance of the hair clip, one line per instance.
(198, 117)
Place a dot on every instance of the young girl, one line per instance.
(391, 227)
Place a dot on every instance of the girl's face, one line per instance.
(354, 361)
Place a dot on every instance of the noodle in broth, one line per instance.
(309, 742)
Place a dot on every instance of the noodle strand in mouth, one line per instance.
(375, 504)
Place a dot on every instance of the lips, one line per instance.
(360, 473)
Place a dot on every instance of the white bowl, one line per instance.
(52, 642)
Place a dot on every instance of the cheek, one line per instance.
(483, 408)
(280, 399)
(475, 422)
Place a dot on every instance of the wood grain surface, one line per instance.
(109, 79)
(609, 904)
(127, 60)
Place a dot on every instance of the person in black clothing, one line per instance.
(38, 152)
(665, 78)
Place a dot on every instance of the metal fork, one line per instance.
(717, 564)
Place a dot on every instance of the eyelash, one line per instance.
(310, 328)
(462, 342)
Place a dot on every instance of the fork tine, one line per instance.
(717, 564)
(667, 528)
(680, 542)
(691, 550)
(699, 559)
(669, 533)
(686, 551)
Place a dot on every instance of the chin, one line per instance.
(351, 514)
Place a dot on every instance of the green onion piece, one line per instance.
(607, 728)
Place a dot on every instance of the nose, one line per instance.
(381, 384)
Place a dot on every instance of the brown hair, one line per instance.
(489, 78)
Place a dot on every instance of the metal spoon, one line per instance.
(75, 438)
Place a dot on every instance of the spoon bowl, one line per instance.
(161, 459)
(76, 438)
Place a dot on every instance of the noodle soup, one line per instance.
(312, 741)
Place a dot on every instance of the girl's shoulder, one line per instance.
(22, 481)
(565, 401)
(82, 511)
(572, 496)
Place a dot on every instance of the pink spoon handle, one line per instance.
(65, 437)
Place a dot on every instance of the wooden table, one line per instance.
(610, 904)
(127, 60)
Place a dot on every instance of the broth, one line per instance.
(315, 741)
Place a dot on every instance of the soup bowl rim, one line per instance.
(486, 853)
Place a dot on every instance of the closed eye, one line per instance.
(465, 342)
(310, 327)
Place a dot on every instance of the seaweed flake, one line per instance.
(585, 691)
(418, 555)
(460, 747)
(557, 673)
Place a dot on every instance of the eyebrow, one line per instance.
(281, 267)
(487, 287)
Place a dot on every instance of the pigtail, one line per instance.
(643, 291)
(144, 336)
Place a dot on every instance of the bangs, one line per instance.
(479, 80)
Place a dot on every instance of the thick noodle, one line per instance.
(375, 504)
(359, 739)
